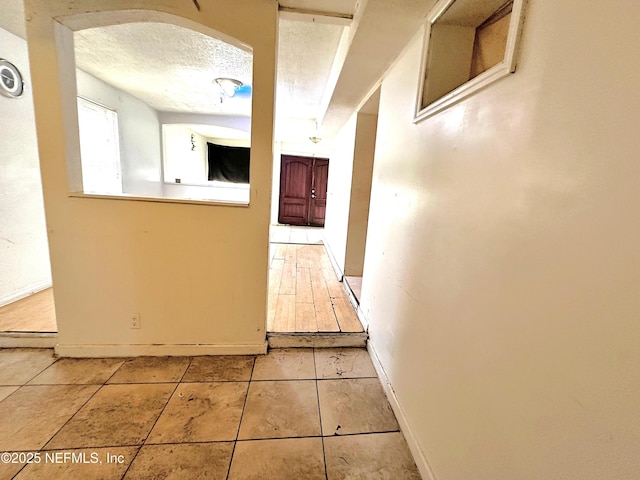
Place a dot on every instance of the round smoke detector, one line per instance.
(11, 84)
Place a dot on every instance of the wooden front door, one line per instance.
(303, 190)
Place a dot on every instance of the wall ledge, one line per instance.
(155, 350)
(414, 446)
(226, 203)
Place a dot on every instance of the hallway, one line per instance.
(304, 293)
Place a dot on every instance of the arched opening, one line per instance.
(191, 267)
(153, 98)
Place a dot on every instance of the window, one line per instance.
(99, 148)
(468, 44)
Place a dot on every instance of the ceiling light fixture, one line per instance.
(229, 86)
(315, 139)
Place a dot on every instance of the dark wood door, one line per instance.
(318, 202)
(303, 190)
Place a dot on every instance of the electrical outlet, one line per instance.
(134, 320)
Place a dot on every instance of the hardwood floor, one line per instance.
(304, 297)
(34, 313)
(304, 293)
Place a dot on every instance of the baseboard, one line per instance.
(362, 317)
(96, 351)
(414, 446)
(28, 340)
(24, 292)
(336, 268)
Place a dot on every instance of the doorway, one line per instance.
(303, 190)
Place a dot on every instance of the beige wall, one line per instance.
(502, 268)
(197, 274)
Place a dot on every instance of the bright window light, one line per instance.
(99, 148)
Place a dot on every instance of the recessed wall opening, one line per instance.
(152, 97)
(490, 42)
(199, 155)
(468, 44)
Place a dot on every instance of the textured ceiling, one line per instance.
(305, 56)
(169, 68)
(12, 17)
(180, 78)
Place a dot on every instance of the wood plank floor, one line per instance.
(34, 313)
(304, 293)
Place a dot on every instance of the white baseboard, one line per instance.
(414, 446)
(336, 268)
(24, 292)
(28, 340)
(363, 318)
(97, 351)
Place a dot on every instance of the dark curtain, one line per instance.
(228, 164)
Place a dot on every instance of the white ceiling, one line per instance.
(169, 68)
(323, 74)
(214, 131)
(305, 56)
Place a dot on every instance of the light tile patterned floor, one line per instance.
(290, 415)
(296, 235)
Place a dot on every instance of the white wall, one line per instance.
(24, 256)
(140, 142)
(182, 160)
(349, 187)
(339, 193)
(192, 168)
(502, 269)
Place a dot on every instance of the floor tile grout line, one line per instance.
(354, 434)
(41, 371)
(125, 360)
(204, 442)
(244, 405)
(71, 417)
(324, 454)
(144, 441)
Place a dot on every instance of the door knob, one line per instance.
(313, 195)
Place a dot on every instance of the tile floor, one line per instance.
(292, 414)
(295, 234)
